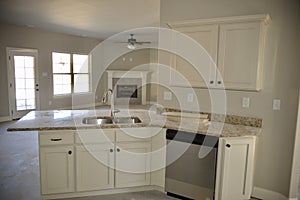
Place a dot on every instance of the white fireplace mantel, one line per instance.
(129, 74)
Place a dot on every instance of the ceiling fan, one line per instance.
(132, 43)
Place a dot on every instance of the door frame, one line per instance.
(295, 173)
(10, 50)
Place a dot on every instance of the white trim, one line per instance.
(265, 18)
(9, 53)
(103, 192)
(5, 119)
(295, 173)
(265, 194)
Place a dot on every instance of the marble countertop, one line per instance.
(72, 120)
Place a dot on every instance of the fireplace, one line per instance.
(129, 86)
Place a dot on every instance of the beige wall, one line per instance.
(281, 80)
(134, 60)
(45, 42)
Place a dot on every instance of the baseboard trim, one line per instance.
(102, 192)
(261, 193)
(6, 119)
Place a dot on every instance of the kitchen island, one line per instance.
(79, 159)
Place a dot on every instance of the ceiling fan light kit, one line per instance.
(131, 46)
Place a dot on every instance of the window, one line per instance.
(71, 73)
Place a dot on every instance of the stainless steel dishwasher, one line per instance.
(192, 175)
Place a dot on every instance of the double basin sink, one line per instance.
(111, 120)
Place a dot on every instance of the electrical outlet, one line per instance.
(190, 97)
(168, 96)
(276, 104)
(245, 102)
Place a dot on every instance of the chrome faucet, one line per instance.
(106, 94)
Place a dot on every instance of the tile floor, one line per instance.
(19, 170)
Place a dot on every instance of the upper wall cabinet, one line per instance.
(235, 44)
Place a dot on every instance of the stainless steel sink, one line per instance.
(109, 120)
(97, 120)
(126, 120)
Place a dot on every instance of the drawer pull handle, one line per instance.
(228, 145)
(211, 82)
(118, 150)
(70, 152)
(111, 150)
(55, 139)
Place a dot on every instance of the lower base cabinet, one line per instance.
(235, 168)
(125, 162)
(132, 164)
(94, 167)
(57, 169)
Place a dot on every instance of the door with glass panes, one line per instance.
(23, 81)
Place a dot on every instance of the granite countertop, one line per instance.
(72, 120)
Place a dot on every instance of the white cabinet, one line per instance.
(57, 169)
(236, 44)
(132, 164)
(235, 168)
(240, 55)
(94, 167)
(56, 161)
(133, 158)
(207, 37)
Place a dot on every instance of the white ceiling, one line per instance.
(88, 18)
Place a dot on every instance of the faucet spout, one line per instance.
(112, 103)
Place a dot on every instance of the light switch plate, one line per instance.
(245, 102)
(276, 104)
(168, 96)
(190, 97)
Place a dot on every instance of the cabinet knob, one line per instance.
(118, 150)
(70, 152)
(228, 145)
(219, 82)
(111, 150)
(211, 82)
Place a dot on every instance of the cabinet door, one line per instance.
(207, 37)
(235, 168)
(239, 56)
(57, 169)
(132, 164)
(94, 167)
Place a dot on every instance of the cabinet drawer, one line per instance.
(56, 138)
(133, 134)
(95, 136)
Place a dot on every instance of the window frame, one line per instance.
(72, 74)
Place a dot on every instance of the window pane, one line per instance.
(29, 62)
(29, 73)
(19, 72)
(20, 83)
(30, 94)
(81, 83)
(21, 104)
(80, 63)
(61, 84)
(30, 104)
(61, 62)
(19, 61)
(30, 83)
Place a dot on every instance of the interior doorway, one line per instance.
(23, 81)
(295, 175)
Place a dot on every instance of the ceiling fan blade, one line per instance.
(143, 43)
